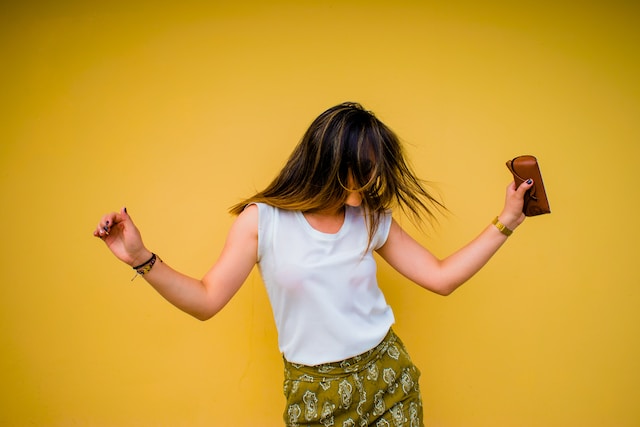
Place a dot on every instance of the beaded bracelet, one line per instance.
(146, 267)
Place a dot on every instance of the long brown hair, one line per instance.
(347, 139)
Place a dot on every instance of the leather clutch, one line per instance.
(535, 199)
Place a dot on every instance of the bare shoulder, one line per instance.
(250, 210)
(395, 233)
(247, 221)
(397, 243)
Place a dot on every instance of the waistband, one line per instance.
(345, 367)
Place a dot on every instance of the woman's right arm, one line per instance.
(200, 298)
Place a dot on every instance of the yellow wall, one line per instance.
(180, 109)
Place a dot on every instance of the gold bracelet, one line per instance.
(503, 228)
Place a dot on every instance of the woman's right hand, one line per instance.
(122, 237)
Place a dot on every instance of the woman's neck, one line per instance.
(326, 220)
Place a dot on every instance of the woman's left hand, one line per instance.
(511, 214)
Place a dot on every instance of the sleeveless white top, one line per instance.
(322, 287)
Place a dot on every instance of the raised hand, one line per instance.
(122, 237)
(511, 214)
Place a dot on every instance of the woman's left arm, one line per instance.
(443, 276)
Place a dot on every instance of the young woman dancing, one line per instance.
(312, 233)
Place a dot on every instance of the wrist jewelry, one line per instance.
(503, 228)
(146, 267)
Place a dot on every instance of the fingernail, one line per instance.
(529, 181)
(125, 210)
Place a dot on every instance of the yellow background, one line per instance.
(179, 109)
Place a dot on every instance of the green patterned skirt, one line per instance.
(377, 388)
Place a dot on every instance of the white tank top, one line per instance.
(322, 287)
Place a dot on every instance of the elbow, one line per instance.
(204, 315)
(444, 291)
(444, 288)
(438, 290)
(205, 310)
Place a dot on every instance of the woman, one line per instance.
(312, 233)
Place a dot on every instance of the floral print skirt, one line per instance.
(377, 388)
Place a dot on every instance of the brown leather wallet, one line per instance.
(535, 199)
